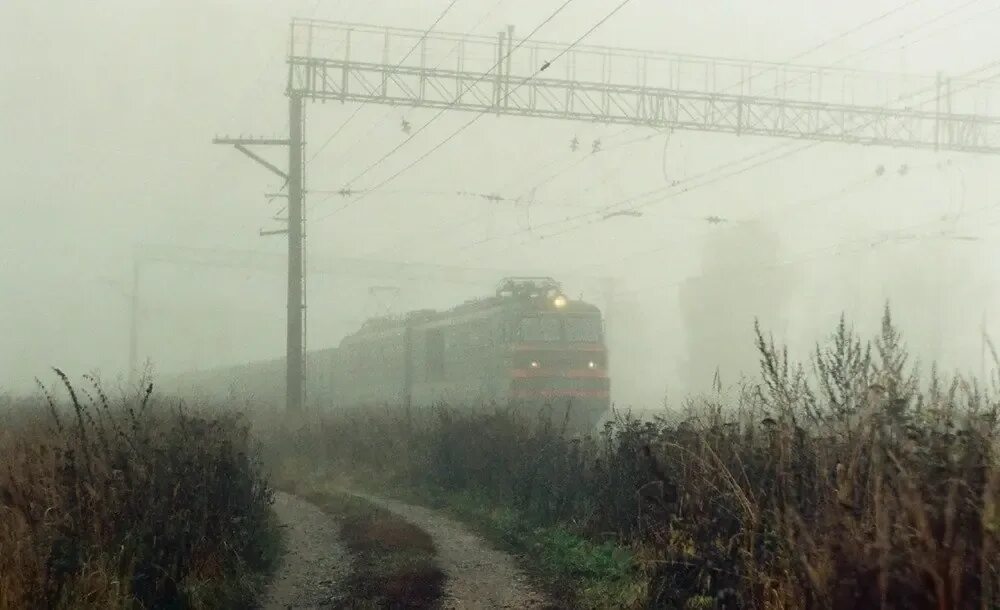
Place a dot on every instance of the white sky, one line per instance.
(108, 107)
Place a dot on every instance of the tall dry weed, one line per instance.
(846, 482)
(127, 504)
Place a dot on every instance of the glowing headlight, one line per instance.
(534, 364)
(559, 302)
(591, 365)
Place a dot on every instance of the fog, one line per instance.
(108, 110)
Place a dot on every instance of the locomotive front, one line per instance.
(558, 354)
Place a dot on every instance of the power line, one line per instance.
(478, 116)
(588, 156)
(855, 29)
(495, 66)
(420, 40)
(834, 39)
(799, 55)
(519, 176)
(492, 197)
(722, 167)
(809, 255)
(519, 200)
(908, 32)
(901, 98)
(833, 195)
(943, 29)
(385, 116)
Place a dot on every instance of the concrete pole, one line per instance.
(293, 353)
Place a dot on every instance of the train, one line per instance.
(527, 345)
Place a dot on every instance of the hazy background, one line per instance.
(108, 108)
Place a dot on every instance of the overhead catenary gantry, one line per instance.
(363, 63)
(505, 75)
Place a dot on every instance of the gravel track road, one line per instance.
(315, 564)
(477, 576)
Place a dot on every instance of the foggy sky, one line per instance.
(107, 110)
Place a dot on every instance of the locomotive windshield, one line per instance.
(583, 330)
(554, 329)
(540, 329)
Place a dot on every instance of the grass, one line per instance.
(129, 504)
(850, 480)
(577, 572)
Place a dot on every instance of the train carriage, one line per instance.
(528, 344)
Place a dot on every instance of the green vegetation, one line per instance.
(129, 505)
(579, 572)
(849, 482)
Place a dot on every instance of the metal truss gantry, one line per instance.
(362, 63)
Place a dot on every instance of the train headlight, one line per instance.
(559, 302)
(534, 364)
(591, 365)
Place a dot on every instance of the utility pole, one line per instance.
(293, 357)
(294, 371)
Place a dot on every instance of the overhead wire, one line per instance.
(806, 52)
(950, 26)
(420, 130)
(465, 221)
(468, 220)
(479, 115)
(869, 48)
(862, 243)
(364, 103)
(349, 149)
(709, 174)
(653, 135)
(898, 236)
(920, 26)
(840, 36)
(862, 182)
(855, 29)
(491, 197)
(586, 157)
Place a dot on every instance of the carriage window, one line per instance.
(583, 330)
(540, 329)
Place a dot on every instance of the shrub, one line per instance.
(846, 484)
(128, 505)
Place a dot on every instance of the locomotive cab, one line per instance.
(558, 355)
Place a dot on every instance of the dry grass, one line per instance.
(848, 483)
(128, 504)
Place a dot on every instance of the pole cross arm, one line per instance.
(252, 141)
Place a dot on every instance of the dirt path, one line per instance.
(477, 575)
(315, 564)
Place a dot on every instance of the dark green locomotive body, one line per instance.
(528, 345)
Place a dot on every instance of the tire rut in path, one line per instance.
(312, 571)
(477, 576)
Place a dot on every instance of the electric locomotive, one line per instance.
(528, 344)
